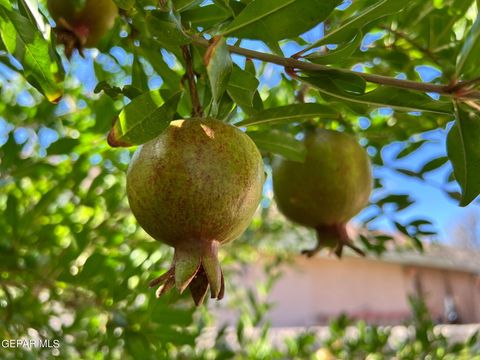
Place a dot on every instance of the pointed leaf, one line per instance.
(150, 51)
(467, 61)
(29, 8)
(139, 79)
(143, 119)
(166, 28)
(343, 53)
(383, 96)
(280, 19)
(205, 16)
(280, 143)
(464, 153)
(26, 43)
(219, 67)
(181, 5)
(289, 113)
(242, 87)
(353, 25)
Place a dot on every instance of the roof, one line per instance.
(436, 256)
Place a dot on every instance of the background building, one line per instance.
(313, 291)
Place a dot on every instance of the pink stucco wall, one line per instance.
(312, 291)
(321, 288)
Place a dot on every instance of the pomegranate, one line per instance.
(195, 187)
(327, 190)
(82, 23)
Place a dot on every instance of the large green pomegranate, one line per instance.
(327, 190)
(195, 187)
(82, 23)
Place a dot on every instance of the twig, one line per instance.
(473, 105)
(413, 43)
(465, 84)
(291, 63)
(300, 96)
(190, 74)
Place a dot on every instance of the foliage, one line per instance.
(74, 264)
(422, 340)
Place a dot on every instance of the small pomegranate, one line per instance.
(195, 187)
(82, 23)
(327, 190)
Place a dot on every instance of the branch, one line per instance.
(291, 63)
(466, 84)
(190, 74)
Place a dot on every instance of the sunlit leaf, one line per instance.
(280, 143)
(339, 55)
(166, 29)
(242, 87)
(464, 153)
(219, 67)
(467, 61)
(280, 19)
(350, 28)
(24, 41)
(205, 16)
(143, 119)
(383, 96)
(289, 113)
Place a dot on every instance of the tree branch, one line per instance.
(466, 84)
(291, 63)
(190, 74)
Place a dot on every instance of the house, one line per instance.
(311, 291)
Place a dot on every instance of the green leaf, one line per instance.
(150, 51)
(280, 19)
(289, 113)
(12, 213)
(219, 67)
(383, 96)
(409, 149)
(342, 54)
(205, 16)
(139, 79)
(348, 82)
(401, 228)
(143, 119)
(137, 345)
(242, 87)
(29, 9)
(348, 30)
(63, 146)
(433, 164)
(166, 29)
(182, 5)
(464, 153)
(115, 92)
(25, 42)
(279, 142)
(112, 91)
(6, 4)
(467, 60)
